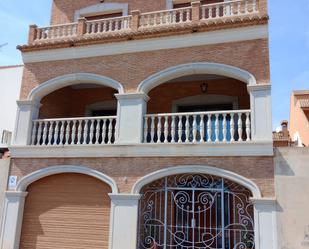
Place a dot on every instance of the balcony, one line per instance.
(146, 23)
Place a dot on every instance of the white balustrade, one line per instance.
(198, 127)
(56, 32)
(167, 17)
(108, 25)
(74, 131)
(229, 8)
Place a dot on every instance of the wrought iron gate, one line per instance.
(195, 211)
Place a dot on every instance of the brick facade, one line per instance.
(63, 11)
(131, 69)
(258, 169)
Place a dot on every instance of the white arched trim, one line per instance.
(197, 169)
(195, 68)
(102, 8)
(37, 175)
(72, 79)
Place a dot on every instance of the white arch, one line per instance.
(53, 170)
(195, 68)
(197, 169)
(72, 79)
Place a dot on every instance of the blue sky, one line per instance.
(289, 43)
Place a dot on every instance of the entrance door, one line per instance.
(195, 211)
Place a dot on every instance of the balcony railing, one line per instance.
(74, 131)
(136, 21)
(198, 127)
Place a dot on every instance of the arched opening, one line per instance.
(76, 109)
(66, 210)
(198, 107)
(195, 210)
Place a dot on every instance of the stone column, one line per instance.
(124, 217)
(196, 5)
(27, 111)
(261, 118)
(32, 33)
(135, 19)
(12, 220)
(265, 223)
(130, 117)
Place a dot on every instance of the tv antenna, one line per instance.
(2, 45)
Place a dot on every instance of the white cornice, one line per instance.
(261, 148)
(171, 42)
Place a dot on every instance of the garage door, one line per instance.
(66, 211)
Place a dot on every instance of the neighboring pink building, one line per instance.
(299, 117)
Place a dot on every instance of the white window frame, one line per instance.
(205, 99)
(102, 9)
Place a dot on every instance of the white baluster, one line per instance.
(34, 130)
(44, 133)
(86, 131)
(246, 7)
(50, 132)
(210, 15)
(232, 9)
(232, 129)
(248, 126)
(194, 133)
(188, 17)
(161, 19)
(97, 131)
(159, 130)
(145, 129)
(88, 28)
(174, 16)
(240, 127)
(224, 124)
(217, 11)
(56, 135)
(91, 131)
(104, 27)
(202, 128)
(217, 128)
(110, 28)
(173, 126)
(99, 29)
(93, 27)
(254, 8)
(62, 123)
(73, 132)
(68, 133)
(209, 130)
(238, 8)
(110, 131)
(180, 16)
(179, 129)
(166, 129)
(187, 132)
(38, 139)
(203, 13)
(79, 131)
(104, 131)
(152, 128)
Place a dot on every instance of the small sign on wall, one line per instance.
(12, 182)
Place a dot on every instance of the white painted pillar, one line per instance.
(12, 220)
(265, 223)
(124, 217)
(130, 117)
(27, 111)
(261, 117)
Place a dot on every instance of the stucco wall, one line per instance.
(10, 82)
(292, 187)
(4, 171)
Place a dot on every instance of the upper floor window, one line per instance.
(103, 16)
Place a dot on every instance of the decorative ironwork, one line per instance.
(195, 211)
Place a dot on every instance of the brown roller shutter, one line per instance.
(66, 211)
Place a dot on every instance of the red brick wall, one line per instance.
(131, 69)
(68, 102)
(258, 169)
(162, 97)
(63, 10)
